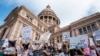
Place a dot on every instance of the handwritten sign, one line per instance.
(45, 37)
(66, 36)
(26, 33)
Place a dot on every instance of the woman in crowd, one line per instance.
(26, 50)
(46, 50)
(65, 48)
(19, 48)
(36, 51)
(55, 51)
(93, 51)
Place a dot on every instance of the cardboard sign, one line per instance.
(66, 36)
(26, 34)
(44, 37)
(80, 41)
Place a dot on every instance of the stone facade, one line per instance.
(47, 20)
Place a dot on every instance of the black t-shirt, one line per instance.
(72, 52)
(79, 52)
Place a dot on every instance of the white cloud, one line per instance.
(67, 10)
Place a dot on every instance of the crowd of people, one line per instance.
(37, 49)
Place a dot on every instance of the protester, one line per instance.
(65, 48)
(26, 50)
(93, 51)
(36, 51)
(19, 48)
(10, 50)
(87, 51)
(55, 50)
(46, 50)
(30, 50)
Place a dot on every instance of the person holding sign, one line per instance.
(65, 48)
(10, 50)
(55, 50)
(46, 50)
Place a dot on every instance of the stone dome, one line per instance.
(48, 16)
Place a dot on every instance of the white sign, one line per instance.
(45, 37)
(80, 41)
(96, 34)
(66, 36)
(6, 43)
(91, 42)
(26, 33)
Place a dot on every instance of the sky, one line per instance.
(68, 11)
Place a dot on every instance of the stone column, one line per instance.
(48, 19)
(13, 30)
(34, 35)
(77, 32)
(73, 32)
(19, 30)
(82, 31)
(55, 40)
(5, 35)
(97, 25)
(91, 28)
(43, 19)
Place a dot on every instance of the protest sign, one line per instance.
(80, 41)
(45, 37)
(5, 43)
(96, 34)
(66, 36)
(91, 42)
(26, 34)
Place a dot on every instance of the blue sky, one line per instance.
(68, 11)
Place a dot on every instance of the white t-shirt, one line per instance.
(93, 53)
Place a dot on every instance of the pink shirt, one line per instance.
(87, 51)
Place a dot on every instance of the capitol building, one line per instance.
(46, 21)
